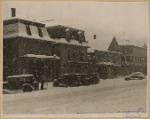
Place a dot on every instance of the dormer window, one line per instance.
(40, 32)
(28, 30)
(67, 34)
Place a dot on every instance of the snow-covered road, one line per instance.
(109, 96)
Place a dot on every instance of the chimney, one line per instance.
(94, 36)
(13, 12)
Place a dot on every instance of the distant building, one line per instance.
(107, 61)
(71, 47)
(27, 48)
(134, 58)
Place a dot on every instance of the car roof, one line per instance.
(136, 73)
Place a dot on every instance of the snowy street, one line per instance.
(111, 95)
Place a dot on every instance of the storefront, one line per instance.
(108, 70)
(41, 66)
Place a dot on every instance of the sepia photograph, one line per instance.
(75, 59)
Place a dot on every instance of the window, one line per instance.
(68, 55)
(81, 57)
(68, 36)
(128, 58)
(40, 32)
(28, 30)
(131, 59)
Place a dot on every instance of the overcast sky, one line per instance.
(124, 20)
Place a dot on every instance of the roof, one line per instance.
(103, 44)
(40, 56)
(62, 26)
(72, 42)
(128, 43)
(99, 44)
(21, 75)
(125, 42)
(14, 20)
(20, 30)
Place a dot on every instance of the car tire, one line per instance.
(140, 78)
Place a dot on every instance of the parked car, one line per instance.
(68, 79)
(84, 79)
(94, 78)
(135, 76)
(24, 82)
(76, 79)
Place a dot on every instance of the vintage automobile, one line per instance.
(24, 82)
(135, 76)
(76, 79)
(94, 78)
(68, 79)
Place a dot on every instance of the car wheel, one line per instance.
(140, 78)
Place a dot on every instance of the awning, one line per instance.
(54, 57)
(21, 75)
(107, 64)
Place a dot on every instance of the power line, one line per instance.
(48, 20)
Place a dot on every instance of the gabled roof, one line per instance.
(114, 46)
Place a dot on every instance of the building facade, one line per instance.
(71, 47)
(107, 62)
(134, 59)
(27, 48)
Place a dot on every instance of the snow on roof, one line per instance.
(125, 42)
(128, 43)
(72, 42)
(22, 20)
(64, 26)
(41, 56)
(19, 30)
(108, 64)
(99, 44)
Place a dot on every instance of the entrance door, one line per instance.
(37, 69)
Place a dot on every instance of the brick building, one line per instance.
(27, 48)
(71, 47)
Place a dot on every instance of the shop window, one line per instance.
(28, 30)
(40, 32)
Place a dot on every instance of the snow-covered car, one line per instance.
(25, 82)
(76, 79)
(135, 76)
(68, 79)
